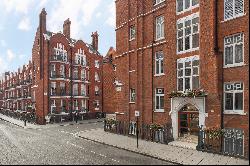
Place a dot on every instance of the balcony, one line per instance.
(59, 77)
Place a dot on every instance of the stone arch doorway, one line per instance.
(188, 123)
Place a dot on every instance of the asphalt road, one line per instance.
(60, 145)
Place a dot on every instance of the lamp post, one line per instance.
(137, 114)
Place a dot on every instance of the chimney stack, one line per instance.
(42, 23)
(66, 28)
(95, 40)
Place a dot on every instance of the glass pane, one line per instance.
(229, 101)
(180, 84)
(187, 42)
(180, 65)
(238, 101)
(196, 63)
(187, 83)
(239, 53)
(187, 31)
(179, 5)
(187, 4)
(229, 55)
(162, 102)
(196, 83)
(157, 67)
(180, 73)
(188, 64)
(187, 23)
(180, 33)
(162, 66)
(187, 72)
(183, 116)
(157, 102)
(239, 7)
(195, 2)
(229, 9)
(184, 124)
(195, 71)
(180, 26)
(195, 28)
(195, 20)
(180, 44)
(196, 40)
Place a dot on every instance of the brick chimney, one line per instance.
(95, 40)
(66, 28)
(42, 23)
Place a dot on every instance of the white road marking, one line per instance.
(102, 155)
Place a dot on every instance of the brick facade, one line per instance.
(65, 74)
(135, 62)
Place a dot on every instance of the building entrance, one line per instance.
(188, 123)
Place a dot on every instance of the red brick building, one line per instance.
(65, 75)
(167, 50)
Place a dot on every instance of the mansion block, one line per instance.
(183, 63)
(64, 76)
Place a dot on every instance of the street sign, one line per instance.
(137, 113)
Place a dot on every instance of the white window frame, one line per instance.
(53, 69)
(97, 104)
(97, 78)
(159, 95)
(61, 49)
(62, 70)
(240, 112)
(84, 104)
(52, 86)
(191, 7)
(161, 63)
(132, 32)
(132, 95)
(97, 64)
(159, 28)
(52, 105)
(157, 2)
(234, 44)
(182, 20)
(83, 74)
(183, 60)
(234, 15)
(83, 90)
(75, 90)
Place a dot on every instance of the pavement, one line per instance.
(175, 154)
(20, 123)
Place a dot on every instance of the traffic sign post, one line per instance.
(137, 114)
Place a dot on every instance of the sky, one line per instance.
(19, 20)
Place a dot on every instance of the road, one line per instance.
(60, 145)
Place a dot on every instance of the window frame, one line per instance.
(234, 16)
(159, 95)
(191, 7)
(132, 36)
(162, 24)
(234, 44)
(157, 2)
(161, 63)
(234, 111)
(182, 21)
(183, 61)
(132, 92)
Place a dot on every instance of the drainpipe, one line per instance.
(153, 69)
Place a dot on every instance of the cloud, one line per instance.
(80, 12)
(24, 24)
(111, 9)
(18, 6)
(10, 55)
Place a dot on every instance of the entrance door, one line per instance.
(188, 121)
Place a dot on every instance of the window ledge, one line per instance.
(162, 38)
(231, 112)
(233, 18)
(187, 51)
(158, 75)
(131, 102)
(236, 65)
(131, 39)
(159, 111)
